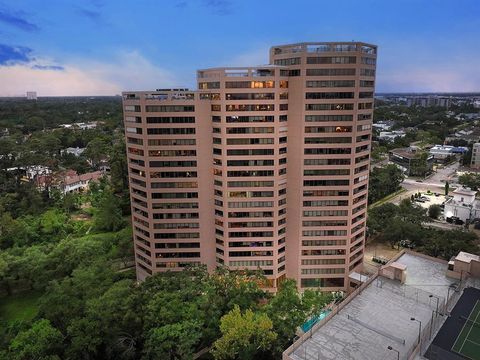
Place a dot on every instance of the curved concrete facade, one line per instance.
(261, 167)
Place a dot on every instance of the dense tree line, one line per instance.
(28, 116)
(93, 310)
(471, 180)
(407, 225)
(384, 181)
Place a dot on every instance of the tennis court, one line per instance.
(468, 341)
(459, 337)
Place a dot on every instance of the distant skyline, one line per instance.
(103, 47)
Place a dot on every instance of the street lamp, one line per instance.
(392, 349)
(431, 326)
(419, 330)
(436, 298)
(454, 287)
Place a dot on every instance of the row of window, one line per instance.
(173, 163)
(167, 153)
(322, 282)
(176, 226)
(249, 194)
(325, 223)
(326, 172)
(328, 140)
(319, 213)
(338, 95)
(250, 130)
(169, 108)
(171, 142)
(322, 261)
(171, 131)
(321, 203)
(247, 224)
(171, 120)
(317, 161)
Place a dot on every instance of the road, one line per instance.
(433, 183)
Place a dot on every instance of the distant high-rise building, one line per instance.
(31, 95)
(429, 100)
(475, 164)
(262, 167)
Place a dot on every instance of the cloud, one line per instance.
(48, 67)
(462, 77)
(219, 7)
(90, 14)
(17, 21)
(14, 55)
(130, 71)
(181, 4)
(10, 55)
(258, 56)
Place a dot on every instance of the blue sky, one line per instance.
(101, 47)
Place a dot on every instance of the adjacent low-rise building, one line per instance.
(70, 181)
(391, 135)
(67, 181)
(394, 314)
(411, 161)
(383, 125)
(475, 163)
(463, 206)
(464, 264)
(74, 151)
(442, 153)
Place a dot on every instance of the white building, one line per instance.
(383, 125)
(475, 164)
(31, 95)
(441, 152)
(81, 125)
(71, 150)
(391, 135)
(462, 205)
(70, 181)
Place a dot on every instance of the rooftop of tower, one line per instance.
(318, 47)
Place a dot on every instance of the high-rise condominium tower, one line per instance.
(261, 167)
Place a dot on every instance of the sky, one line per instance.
(104, 47)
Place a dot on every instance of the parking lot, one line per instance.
(430, 199)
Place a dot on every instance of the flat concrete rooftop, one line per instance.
(379, 316)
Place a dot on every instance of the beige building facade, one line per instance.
(260, 168)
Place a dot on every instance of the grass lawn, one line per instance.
(387, 198)
(22, 306)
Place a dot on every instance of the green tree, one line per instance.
(96, 151)
(287, 312)
(118, 168)
(419, 164)
(245, 336)
(108, 322)
(172, 341)
(384, 181)
(41, 342)
(447, 187)
(109, 214)
(380, 216)
(434, 211)
(470, 180)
